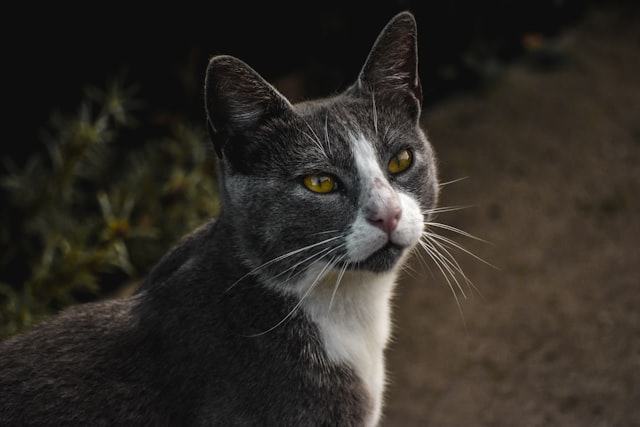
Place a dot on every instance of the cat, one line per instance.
(277, 312)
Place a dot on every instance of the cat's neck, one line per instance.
(352, 312)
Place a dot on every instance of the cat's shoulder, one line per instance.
(109, 318)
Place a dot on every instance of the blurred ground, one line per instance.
(553, 165)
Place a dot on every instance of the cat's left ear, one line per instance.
(392, 64)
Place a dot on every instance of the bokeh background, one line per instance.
(54, 53)
(533, 108)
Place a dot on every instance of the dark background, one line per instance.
(52, 53)
(550, 153)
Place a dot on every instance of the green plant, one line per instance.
(91, 217)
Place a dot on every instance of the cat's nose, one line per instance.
(386, 217)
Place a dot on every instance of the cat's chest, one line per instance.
(352, 314)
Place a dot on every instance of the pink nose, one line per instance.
(386, 217)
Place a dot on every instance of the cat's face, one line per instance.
(346, 182)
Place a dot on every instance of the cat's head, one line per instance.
(346, 181)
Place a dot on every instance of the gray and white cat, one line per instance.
(278, 312)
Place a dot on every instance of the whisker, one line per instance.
(445, 263)
(458, 246)
(326, 252)
(315, 139)
(453, 181)
(338, 280)
(437, 259)
(450, 260)
(455, 230)
(423, 261)
(315, 282)
(324, 232)
(281, 257)
(439, 248)
(444, 209)
(442, 246)
(326, 132)
(375, 112)
(408, 269)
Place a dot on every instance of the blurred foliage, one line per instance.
(90, 217)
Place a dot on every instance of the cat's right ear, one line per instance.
(237, 100)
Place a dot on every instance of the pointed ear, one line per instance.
(392, 64)
(237, 100)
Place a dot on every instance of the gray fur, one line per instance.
(198, 343)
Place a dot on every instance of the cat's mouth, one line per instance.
(382, 260)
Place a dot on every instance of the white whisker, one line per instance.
(327, 267)
(375, 112)
(315, 257)
(435, 250)
(315, 139)
(453, 181)
(455, 230)
(437, 259)
(281, 257)
(324, 232)
(458, 246)
(423, 261)
(444, 209)
(338, 280)
(319, 255)
(326, 132)
(440, 249)
(408, 269)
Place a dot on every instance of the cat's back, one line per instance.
(73, 368)
(109, 362)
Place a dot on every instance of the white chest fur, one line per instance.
(354, 322)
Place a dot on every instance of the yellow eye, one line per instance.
(320, 183)
(400, 161)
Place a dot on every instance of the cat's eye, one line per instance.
(400, 161)
(321, 182)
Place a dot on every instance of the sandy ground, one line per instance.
(552, 336)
